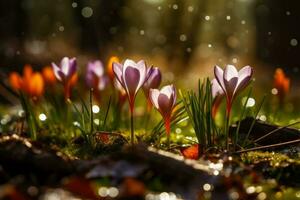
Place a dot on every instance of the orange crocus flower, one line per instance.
(281, 83)
(110, 72)
(31, 83)
(48, 75)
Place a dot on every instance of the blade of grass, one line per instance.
(253, 122)
(106, 113)
(240, 118)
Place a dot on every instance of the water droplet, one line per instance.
(183, 37)
(74, 5)
(61, 28)
(263, 118)
(87, 12)
(42, 117)
(294, 42)
(113, 192)
(234, 60)
(274, 91)
(103, 191)
(207, 18)
(188, 50)
(96, 109)
(190, 8)
(250, 103)
(175, 6)
(206, 187)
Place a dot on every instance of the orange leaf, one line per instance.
(191, 152)
(81, 187)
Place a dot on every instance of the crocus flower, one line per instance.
(131, 76)
(232, 81)
(48, 75)
(95, 76)
(164, 101)
(282, 84)
(31, 83)
(217, 95)
(153, 81)
(66, 73)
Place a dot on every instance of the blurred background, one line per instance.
(186, 37)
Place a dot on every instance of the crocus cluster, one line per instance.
(128, 78)
(134, 75)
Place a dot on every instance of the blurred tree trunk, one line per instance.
(13, 22)
(277, 25)
(97, 31)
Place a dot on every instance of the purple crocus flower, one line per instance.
(66, 73)
(232, 81)
(66, 69)
(164, 101)
(95, 77)
(153, 80)
(131, 76)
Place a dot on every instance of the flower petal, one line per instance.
(57, 72)
(230, 80)
(219, 77)
(216, 88)
(98, 68)
(167, 90)
(117, 69)
(64, 65)
(165, 104)
(230, 72)
(72, 67)
(245, 75)
(153, 95)
(131, 80)
(153, 80)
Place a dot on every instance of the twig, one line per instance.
(278, 129)
(269, 146)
